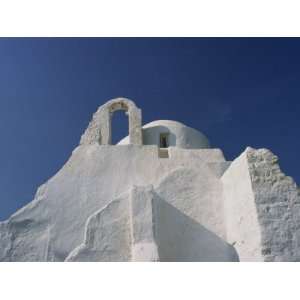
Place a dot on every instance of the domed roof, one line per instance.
(179, 135)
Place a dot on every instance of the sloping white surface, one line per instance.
(53, 224)
(174, 221)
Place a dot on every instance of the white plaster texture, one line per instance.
(242, 225)
(107, 235)
(144, 247)
(53, 224)
(278, 203)
(261, 208)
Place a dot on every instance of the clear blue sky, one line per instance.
(239, 92)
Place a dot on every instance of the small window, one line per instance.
(164, 140)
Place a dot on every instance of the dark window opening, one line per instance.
(164, 141)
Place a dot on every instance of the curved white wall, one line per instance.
(180, 135)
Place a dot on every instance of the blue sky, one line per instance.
(239, 92)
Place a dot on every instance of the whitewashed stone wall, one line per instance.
(126, 203)
(278, 207)
(262, 208)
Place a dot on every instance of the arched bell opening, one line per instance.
(119, 126)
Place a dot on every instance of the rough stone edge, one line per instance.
(98, 130)
(278, 206)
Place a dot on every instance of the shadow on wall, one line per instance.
(180, 238)
(151, 136)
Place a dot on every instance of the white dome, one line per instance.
(179, 135)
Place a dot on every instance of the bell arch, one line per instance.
(100, 129)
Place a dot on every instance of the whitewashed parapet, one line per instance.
(144, 247)
(99, 130)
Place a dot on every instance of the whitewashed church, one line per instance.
(160, 194)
